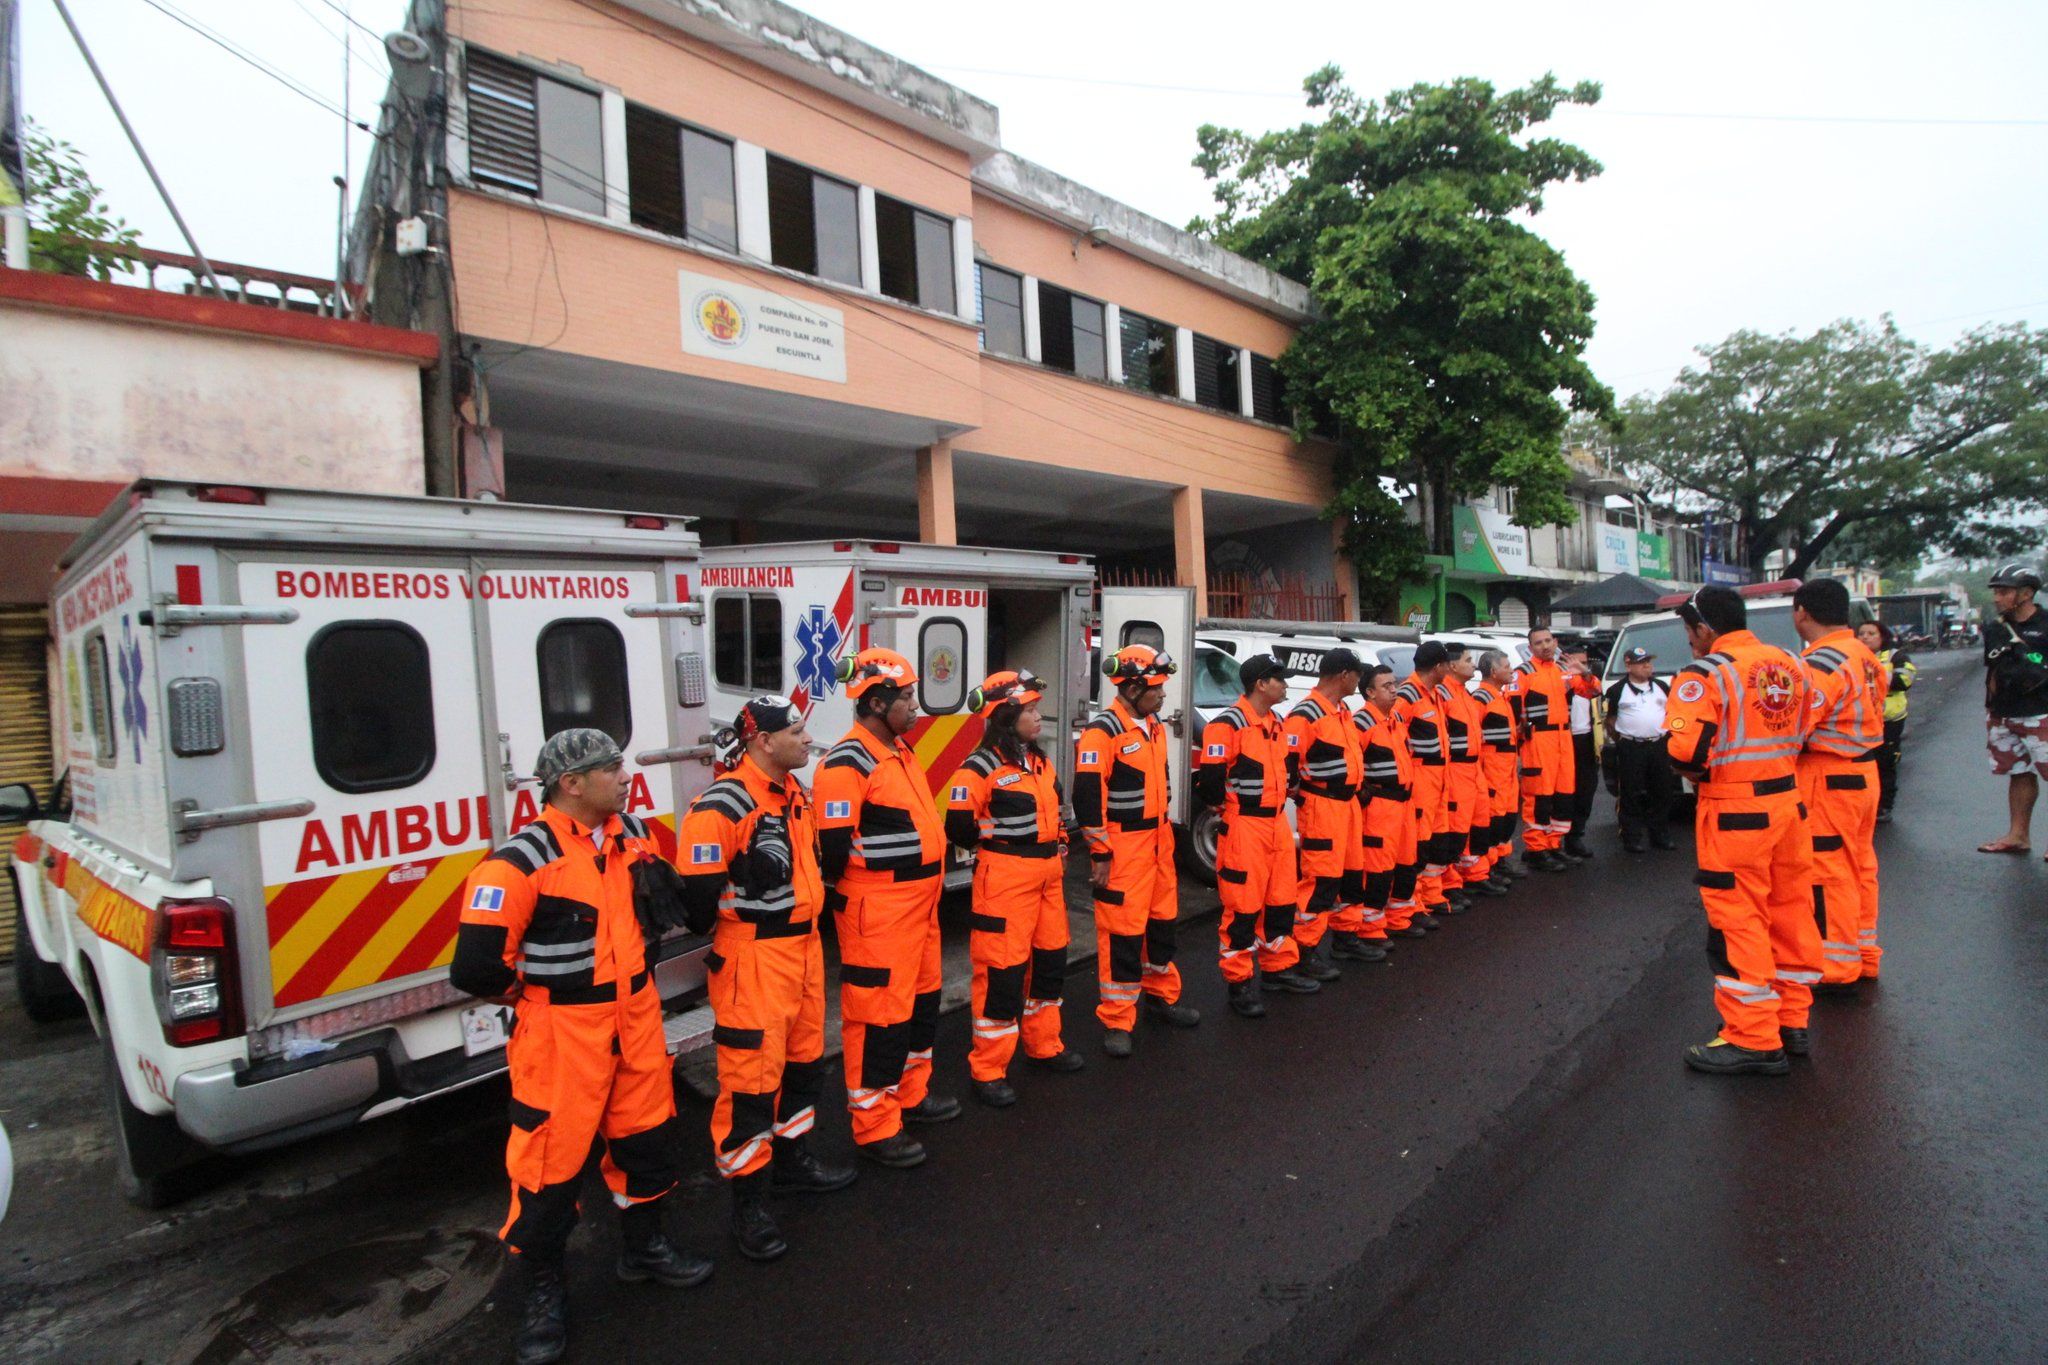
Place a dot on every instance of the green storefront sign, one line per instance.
(1653, 555)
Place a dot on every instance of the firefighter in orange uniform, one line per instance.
(1838, 780)
(749, 854)
(1548, 780)
(1327, 767)
(1499, 763)
(550, 924)
(1468, 806)
(882, 849)
(1387, 835)
(1121, 805)
(1244, 771)
(1421, 719)
(1737, 718)
(1005, 803)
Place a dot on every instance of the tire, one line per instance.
(155, 1162)
(46, 993)
(1198, 841)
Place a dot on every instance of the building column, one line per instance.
(1245, 406)
(935, 519)
(1034, 349)
(870, 244)
(618, 191)
(1190, 549)
(964, 304)
(1344, 571)
(1113, 341)
(750, 200)
(1184, 364)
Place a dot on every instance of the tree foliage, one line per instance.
(1448, 341)
(67, 216)
(1856, 438)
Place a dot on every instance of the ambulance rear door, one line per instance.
(365, 705)
(1164, 619)
(940, 625)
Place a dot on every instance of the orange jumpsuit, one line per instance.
(1499, 770)
(1468, 810)
(550, 913)
(1737, 719)
(1010, 812)
(883, 851)
(1244, 769)
(1416, 708)
(1548, 781)
(1389, 842)
(765, 972)
(1120, 804)
(1323, 749)
(1838, 782)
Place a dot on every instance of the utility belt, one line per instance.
(873, 876)
(1388, 791)
(1134, 822)
(603, 993)
(1251, 810)
(1539, 726)
(1769, 786)
(759, 931)
(1330, 791)
(1021, 848)
(1631, 739)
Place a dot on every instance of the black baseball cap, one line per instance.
(1637, 656)
(1257, 668)
(1341, 660)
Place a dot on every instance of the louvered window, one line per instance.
(1148, 354)
(681, 179)
(534, 135)
(1269, 393)
(1215, 374)
(915, 251)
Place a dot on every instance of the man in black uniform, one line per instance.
(1643, 778)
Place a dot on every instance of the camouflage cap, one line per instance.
(573, 751)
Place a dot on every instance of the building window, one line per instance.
(1215, 374)
(533, 135)
(746, 641)
(370, 736)
(1000, 295)
(1070, 333)
(942, 666)
(1149, 362)
(813, 222)
(1269, 393)
(915, 250)
(681, 180)
(583, 679)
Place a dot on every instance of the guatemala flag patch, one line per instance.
(700, 854)
(487, 898)
(1214, 751)
(839, 810)
(959, 794)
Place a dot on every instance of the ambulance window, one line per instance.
(583, 679)
(100, 698)
(746, 641)
(1146, 633)
(371, 694)
(942, 666)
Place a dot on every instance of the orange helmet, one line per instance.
(1139, 663)
(1020, 688)
(874, 668)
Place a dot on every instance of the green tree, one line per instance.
(1856, 431)
(70, 227)
(1448, 342)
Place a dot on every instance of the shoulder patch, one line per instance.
(1691, 690)
(982, 761)
(728, 796)
(850, 753)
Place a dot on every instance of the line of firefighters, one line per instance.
(1406, 808)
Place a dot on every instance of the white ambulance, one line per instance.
(289, 723)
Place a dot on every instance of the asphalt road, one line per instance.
(1486, 1149)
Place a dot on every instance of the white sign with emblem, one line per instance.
(484, 1027)
(723, 320)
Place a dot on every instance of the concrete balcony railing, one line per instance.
(171, 272)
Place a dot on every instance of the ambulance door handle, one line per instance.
(1174, 723)
(513, 781)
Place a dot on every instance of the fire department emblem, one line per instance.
(720, 319)
(1690, 690)
(1776, 690)
(942, 665)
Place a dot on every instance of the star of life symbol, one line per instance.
(818, 637)
(134, 709)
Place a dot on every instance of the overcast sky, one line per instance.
(1768, 166)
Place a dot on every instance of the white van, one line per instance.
(1663, 634)
(291, 722)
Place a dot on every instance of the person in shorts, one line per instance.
(2016, 700)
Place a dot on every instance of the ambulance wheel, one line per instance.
(155, 1162)
(1198, 846)
(46, 993)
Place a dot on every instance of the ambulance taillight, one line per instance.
(193, 968)
(234, 494)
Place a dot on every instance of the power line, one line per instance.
(287, 82)
(374, 61)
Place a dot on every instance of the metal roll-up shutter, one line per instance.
(24, 729)
(1512, 614)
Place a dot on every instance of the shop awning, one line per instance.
(1622, 592)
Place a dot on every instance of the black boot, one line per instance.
(1634, 840)
(1426, 922)
(753, 1226)
(1244, 999)
(1176, 1014)
(1291, 981)
(544, 1318)
(797, 1169)
(933, 1109)
(1315, 963)
(1797, 1041)
(1509, 868)
(1351, 948)
(901, 1151)
(1066, 1059)
(1663, 840)
(645, 1252)
(1576, 849)
(996, 1094)
(1490, 886)
(1718, 1058)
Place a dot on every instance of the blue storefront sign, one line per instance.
(1717, 572)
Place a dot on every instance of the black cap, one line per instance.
(1637, 656)
(1257, 668)
(1341, 660)
(766, 715)
(1429, 654)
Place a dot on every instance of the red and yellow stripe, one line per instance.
(942, 744)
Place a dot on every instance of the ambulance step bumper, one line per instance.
(688, 1031)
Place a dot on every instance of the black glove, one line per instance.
(659, 903)
(770, 863)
